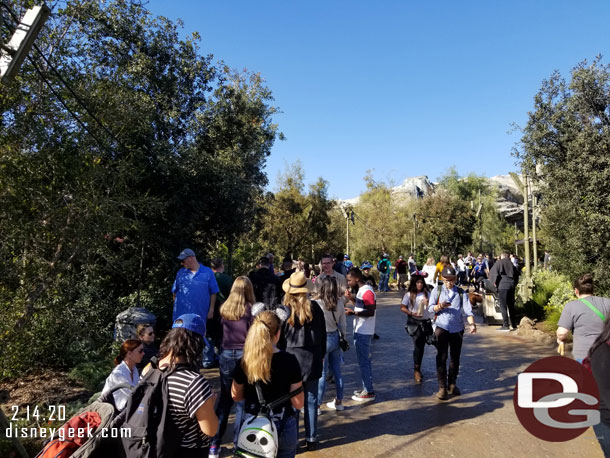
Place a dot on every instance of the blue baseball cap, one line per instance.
(186, 253)
(192, 322)
(366, 265)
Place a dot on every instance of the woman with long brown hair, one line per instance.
(278, 373)
(304, 335)
(236, 317)
(415, 305)
(130, 354)
(334, 314)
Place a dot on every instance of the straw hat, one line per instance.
(298, 283)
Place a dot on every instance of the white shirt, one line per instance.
(430, 270)
(406, 301)
(121, 374)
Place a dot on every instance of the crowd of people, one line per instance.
(284, 331)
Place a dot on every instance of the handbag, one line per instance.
(343, 343)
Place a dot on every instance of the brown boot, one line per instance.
(453, 390)
(442, 393)
(417, 375)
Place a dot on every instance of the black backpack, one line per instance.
(146, 419)
(382, 266)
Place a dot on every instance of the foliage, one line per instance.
(91, 374)
(88, 219)
(565, 147)
(551, 291)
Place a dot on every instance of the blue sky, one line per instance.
(405, 88)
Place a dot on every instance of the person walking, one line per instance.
(599, 357)
(583, 317)
(334, 314)
(235, 317)
(415, 305)
(365, 304)
(384, 266)
(278, 374)
(505, 277)
(448, 302)
(304, 335)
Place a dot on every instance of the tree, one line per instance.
(168, 151)
(565, 148)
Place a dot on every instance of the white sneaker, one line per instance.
(214, 452)
(334, 406)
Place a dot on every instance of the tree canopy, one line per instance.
(177, 159)
(565, 148)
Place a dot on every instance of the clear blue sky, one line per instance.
(402, 87)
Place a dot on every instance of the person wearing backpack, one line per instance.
(384, 266)
(583, 317)
(304, 335)
(191, 401)
(277, 372)
(448, 302)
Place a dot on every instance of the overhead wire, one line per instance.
(69, 88)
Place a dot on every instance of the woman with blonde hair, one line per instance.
(236, 317)
(430, 269)
(278, 374)
(304, 335)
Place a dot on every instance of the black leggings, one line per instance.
(419, 344)
(449, 344)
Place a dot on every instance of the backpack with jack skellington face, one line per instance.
(258, 437)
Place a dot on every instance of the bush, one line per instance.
(91, 374)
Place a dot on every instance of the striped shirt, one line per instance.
(188, 391)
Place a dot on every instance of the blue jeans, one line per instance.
(311, 409)
(332, 360)
(228, 363)
(209, 355)
(384, 278)
(602, 431)
(287, 431)
(362, 342)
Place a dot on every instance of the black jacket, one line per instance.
(307, 342)
(504, 274)
(267, 287)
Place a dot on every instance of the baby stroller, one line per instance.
(98, 416)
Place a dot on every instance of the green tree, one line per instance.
(565, 147)
(178, 162)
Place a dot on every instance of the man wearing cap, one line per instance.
(366, 274)
(195, 287)
(327, 265)
(448, 301)
(401, 272)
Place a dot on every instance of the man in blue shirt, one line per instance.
(195, 287)
(447, 302)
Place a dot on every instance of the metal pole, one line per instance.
(535, 241)
(526, 234)
(347, 234)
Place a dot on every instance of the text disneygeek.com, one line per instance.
(65, 433)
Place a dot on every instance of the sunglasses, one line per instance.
(149, 333)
